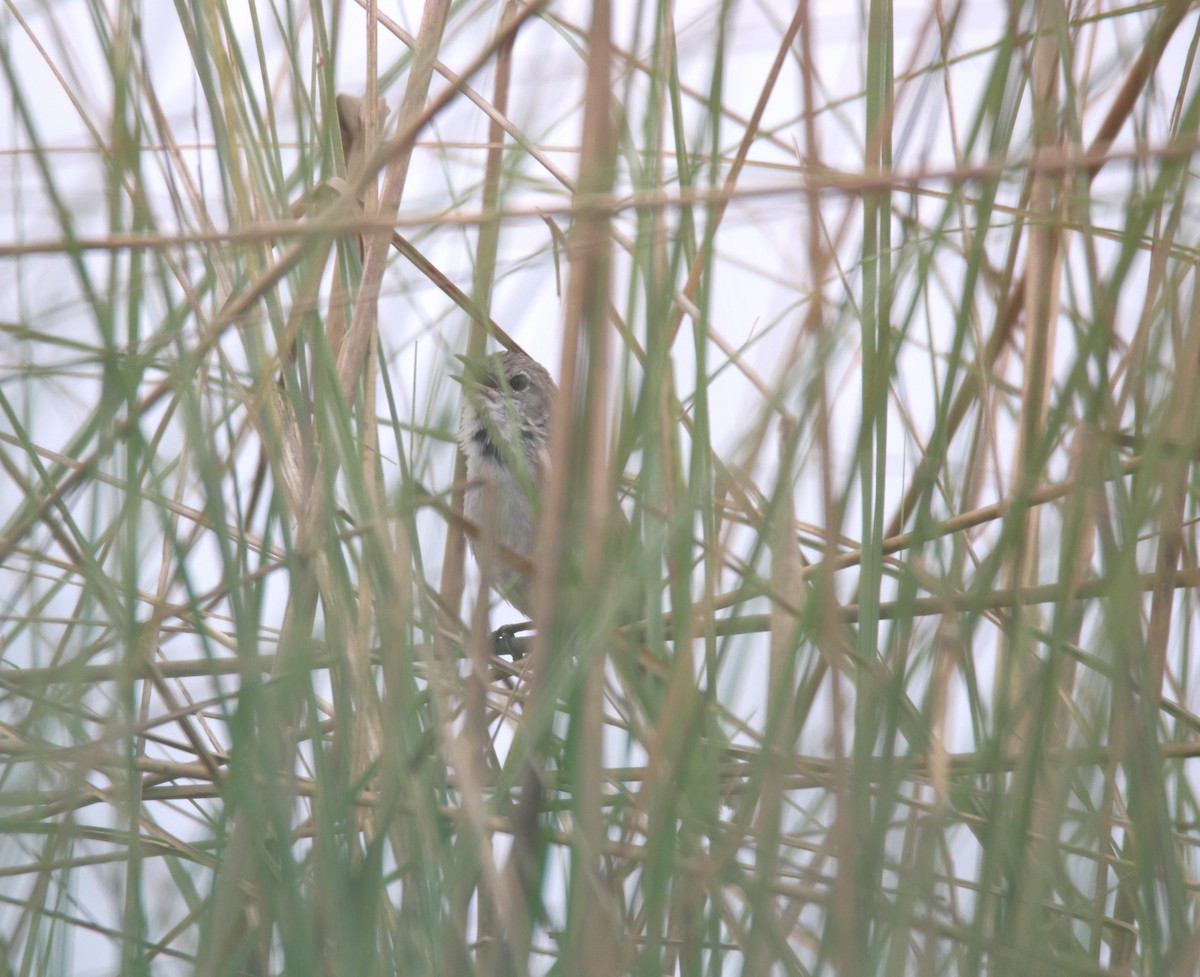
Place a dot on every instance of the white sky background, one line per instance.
(761, 283)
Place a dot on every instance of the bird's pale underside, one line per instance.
(505, 434)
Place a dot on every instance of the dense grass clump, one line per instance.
(879, 327)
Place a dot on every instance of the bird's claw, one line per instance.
(504, 643)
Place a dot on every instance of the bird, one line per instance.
(504, 432)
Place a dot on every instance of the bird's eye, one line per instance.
(519, 382)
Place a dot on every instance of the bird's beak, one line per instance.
(474, 376)
(467, 377)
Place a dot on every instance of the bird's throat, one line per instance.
(487, 445)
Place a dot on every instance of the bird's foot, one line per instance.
(504, 643)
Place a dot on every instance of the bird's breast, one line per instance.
(497, 502)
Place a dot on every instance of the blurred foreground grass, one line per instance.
(881, 326)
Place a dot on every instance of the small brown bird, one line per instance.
(505, 434)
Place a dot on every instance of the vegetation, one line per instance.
(881, 326)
